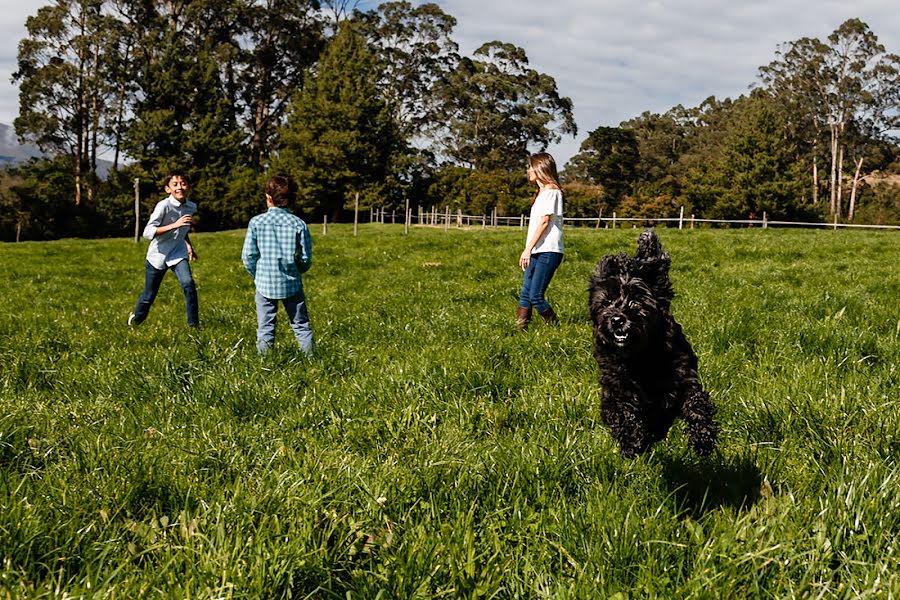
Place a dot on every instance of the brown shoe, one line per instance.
(523, 317)
(549, 317)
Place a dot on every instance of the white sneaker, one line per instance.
(131, 320)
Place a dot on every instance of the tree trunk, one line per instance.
(853, 190)
(815, 183)
(834, 143)
(840, 179)
(78, 178)
(80, 104)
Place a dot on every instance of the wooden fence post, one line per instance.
(325, 225)
(599, 218)
(406, 217)
(614, 220)
(765, 220)
(692, 220)
(681, 218)
(356, 215)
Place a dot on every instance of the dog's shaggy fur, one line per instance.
(648, 370)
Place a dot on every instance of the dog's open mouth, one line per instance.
(620, 337)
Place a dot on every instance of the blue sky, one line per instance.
(614, 58)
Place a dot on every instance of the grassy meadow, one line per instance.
(427, 451)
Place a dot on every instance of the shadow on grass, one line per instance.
(706, 485)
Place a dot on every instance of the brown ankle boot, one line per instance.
(523, 317)
(549, 317)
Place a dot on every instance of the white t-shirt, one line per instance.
(548, 202)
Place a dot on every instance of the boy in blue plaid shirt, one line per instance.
(277, 250)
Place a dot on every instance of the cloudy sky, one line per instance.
(614, 58)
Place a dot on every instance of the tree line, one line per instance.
(816, 137)
(380, 105)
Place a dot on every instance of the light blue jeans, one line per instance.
(266, 316)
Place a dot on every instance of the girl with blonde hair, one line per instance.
(544, 246)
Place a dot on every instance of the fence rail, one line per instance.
(447, 219)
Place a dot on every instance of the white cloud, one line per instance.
(614, 58)
(618, 58)
(12, 29)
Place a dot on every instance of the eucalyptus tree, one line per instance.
(661, 141)
(64, 89)
(848, 79)
(281, 40)
(494, 109)
(339, 10)
(415, 51)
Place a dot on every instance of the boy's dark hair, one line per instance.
(175, 173)
(282, 188)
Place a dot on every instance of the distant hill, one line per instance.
(11, 151)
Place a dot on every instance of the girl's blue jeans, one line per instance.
(153, 278)
(537, 277)
(298, 314)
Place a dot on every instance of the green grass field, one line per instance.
(427, 451)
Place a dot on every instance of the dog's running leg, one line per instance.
(698, 411)
(625, 424)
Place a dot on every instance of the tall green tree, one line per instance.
(185, 113)
(415, 51)
(661, 140)
(754, 173)
(608, 157)
(64, 88)
(339, 137)
(495, 109)
(281, 40)
(850, 79)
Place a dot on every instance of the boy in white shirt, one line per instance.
(170, 248)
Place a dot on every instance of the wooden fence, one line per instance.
(446, 219)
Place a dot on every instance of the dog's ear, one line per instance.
(609, 267)
(655, 271)
(648, 246)
(652, 263)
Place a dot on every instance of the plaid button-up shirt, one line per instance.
(276, 251)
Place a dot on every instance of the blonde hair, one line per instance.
(544, 168)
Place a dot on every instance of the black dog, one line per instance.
(648, 370)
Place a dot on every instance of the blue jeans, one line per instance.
(153, 278)
(267, 313)
(537, 277)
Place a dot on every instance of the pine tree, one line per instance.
(339, 137)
